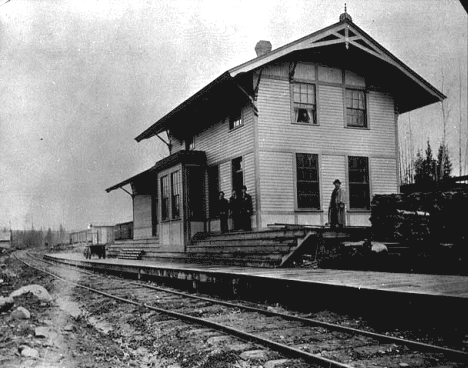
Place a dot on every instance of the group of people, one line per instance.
(239, 208)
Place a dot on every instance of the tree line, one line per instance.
(39, 237)
(426, 168)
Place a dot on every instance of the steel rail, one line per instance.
(287, 350)
(314, 322)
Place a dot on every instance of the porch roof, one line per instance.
(180, 157)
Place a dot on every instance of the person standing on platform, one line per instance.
(336, 210)
(223, 209)
(234, 210)
(246, 210)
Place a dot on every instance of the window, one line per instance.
(237, 174)
(356, 108)
(307, 173)
(304, 103)
(175, 194)
(235, 120)
(359, 189)
(213, 189)
(165, 197)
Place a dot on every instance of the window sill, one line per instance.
(308, 210)
(305, 124)
(235, 128)
(356, 127)
(170, 220)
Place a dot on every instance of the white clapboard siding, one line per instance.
(220, 143)
(176, 145)
(383, 178)
(275, 130)
(142, 226)
(331, 167)
(276, 181)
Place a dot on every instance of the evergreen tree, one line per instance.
(425, 167)
(444, 164)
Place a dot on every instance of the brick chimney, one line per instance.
(262, 47)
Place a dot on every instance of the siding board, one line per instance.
(276, 181)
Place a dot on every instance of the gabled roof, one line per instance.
(411, 89)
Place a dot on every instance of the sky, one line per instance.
(79, 80)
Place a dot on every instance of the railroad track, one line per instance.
(320, 343)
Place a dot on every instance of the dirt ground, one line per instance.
(77, 329)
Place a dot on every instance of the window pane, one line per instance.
(304, 103)
(308, 188)
(359, 188)
(176, 192)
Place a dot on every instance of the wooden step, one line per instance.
(134, 254)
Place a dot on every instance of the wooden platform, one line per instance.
(424, 296)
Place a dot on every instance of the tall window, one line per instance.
(308, 188)
(304, 103)
(235, 120)
(356, 108)
(237, 174)
(165, 198)
(176, 189)
(213, 189)
(359, 188)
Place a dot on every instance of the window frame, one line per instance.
(305, 106)
(348, 109)
(352, 183)
(176, 194)
(299, 181)
(165, 193)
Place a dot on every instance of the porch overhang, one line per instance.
(181, 157)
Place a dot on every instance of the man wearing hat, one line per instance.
(336, 211)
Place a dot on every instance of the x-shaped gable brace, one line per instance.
(343, 34)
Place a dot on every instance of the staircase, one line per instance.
(134, 249)
(257, 249)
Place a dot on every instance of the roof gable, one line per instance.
(344, 32)
(413, 91)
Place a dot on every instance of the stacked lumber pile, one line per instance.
(433, 217)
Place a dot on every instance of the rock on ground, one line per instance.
(40, 292)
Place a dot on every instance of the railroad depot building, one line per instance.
(285, 124)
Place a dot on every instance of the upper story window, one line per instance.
(308, 188)
(304, 103)
(356, 115)
(359, 188)
(235, 120)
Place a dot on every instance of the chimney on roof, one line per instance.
(262, 47)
